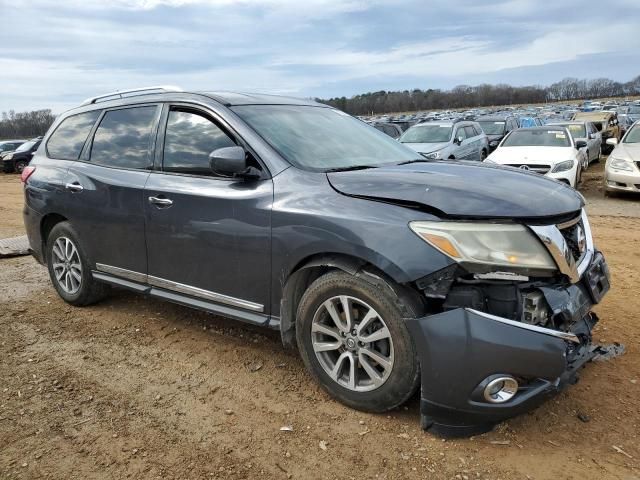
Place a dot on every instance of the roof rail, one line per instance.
(134, 91)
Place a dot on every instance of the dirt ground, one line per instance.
(138, 388)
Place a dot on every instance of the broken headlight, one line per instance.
(504, 245)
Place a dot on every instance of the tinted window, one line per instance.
(189, 140)
(68, 139)
(123, 138)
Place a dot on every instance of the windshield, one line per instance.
(492, 128)
(633, 136)
(25, 146)
(537, 138)
(427, 134)
(318, 138)
(577, 131)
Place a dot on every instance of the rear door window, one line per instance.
(123, 138)
(190, 138)
(68, 139)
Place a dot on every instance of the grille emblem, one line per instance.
(524, 167)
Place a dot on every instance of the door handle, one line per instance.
(74, 187)
(160, 202)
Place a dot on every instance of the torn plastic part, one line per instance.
(437, 284)
(568, 304)
(605, 353)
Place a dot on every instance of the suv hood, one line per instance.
(426, 147)
(462, 190)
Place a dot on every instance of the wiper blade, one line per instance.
(351, 168)
(415, 160)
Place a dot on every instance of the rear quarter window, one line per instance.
(68, 139)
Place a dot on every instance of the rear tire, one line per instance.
(339, 350)
(70, 268)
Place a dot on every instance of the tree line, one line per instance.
(24, 125)
(466, 96)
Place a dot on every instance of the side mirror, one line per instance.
(612, 141)
(458, 140)
(581, 144)
(231, 162)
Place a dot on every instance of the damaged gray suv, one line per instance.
(388, 271)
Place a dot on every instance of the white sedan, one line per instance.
(547, 150)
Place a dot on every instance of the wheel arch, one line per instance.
(314, 266)
(47, 223)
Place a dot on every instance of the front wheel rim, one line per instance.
(67, 266)
(352, 343)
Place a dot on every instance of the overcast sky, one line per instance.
(55, 53)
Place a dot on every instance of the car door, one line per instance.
(461, 151)
(475, 143)
(106, 187)
(208, 236)
(594, 141)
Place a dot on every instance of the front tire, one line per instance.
(70, 269)
(353, 340)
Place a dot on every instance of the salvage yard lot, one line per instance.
(135, 387)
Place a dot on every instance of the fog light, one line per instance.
(500, 389)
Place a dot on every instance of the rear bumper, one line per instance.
(461, 350)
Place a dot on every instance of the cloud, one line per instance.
(72, 49)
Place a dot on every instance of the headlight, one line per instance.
(563, 166)
(620, 164)
(432, 155)
(8, 157)
(493, 143)
(507, 245)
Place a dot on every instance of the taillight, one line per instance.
(26, 173)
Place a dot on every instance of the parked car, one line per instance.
(16, 161)
(391, 129)
(586, 132)
(387, 270)
(496, 127)
(633, 111)
(453, 140)
(525, 122)
(606, 122)
(622, 170)
(7, 146)
(547, 150)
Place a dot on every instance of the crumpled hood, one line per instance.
(627, 150)
(462, 190)
(426, 147)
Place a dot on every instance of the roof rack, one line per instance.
(132, 92)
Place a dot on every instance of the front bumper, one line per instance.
(461, 350)
(621, 181)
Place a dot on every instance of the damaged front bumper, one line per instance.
(462, 350)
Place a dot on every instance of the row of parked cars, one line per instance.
(560, 148)
(16, 154)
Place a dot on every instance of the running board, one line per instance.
(253, 318)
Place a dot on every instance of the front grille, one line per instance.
(573, 235)
(531, 167)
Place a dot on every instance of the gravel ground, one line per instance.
(138, 388)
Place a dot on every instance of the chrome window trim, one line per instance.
(179, 287)
(568, 336)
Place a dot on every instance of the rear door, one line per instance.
(475, 143)
(105, 189)
(462, 150)
(208, 236)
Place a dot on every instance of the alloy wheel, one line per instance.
(352, 343)
(67, 266)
